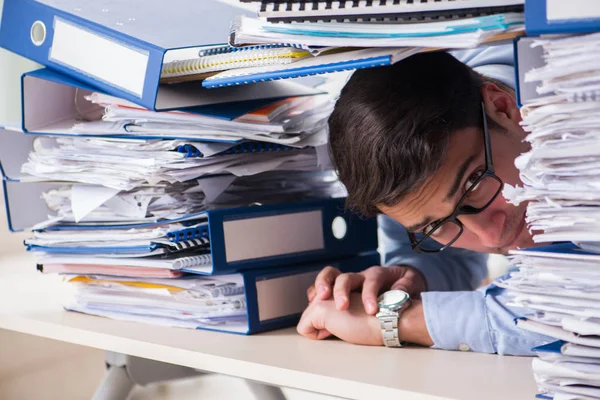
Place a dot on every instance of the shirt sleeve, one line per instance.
(450, 270)
(478, 321)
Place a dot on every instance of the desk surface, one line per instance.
(30, 303)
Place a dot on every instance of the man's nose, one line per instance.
(488, 226)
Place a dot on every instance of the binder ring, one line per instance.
(38, 33)
(339, 227)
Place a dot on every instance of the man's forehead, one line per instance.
(430, 199)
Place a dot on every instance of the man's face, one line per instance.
(498, 228)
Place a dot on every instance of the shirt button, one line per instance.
(464, 347)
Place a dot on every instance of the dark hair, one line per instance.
(391, 126)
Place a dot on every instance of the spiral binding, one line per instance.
(375, 10)
(188, 234)
(254, 56)
(256, 147)
(190, 244)
(230, 49)
(189, 150)
(247, 147)
(224, 290)
(193, 261)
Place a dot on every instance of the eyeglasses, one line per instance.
(480, 194)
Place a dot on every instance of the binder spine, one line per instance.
(235, 80)
(189, 234)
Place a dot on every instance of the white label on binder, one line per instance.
(251, 238)
(102, 58)
(279, 297)
(561, 10)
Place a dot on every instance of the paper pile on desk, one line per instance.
(561, 284)
(185, 301)
(561, 176)
(161, 226)
(562, 171)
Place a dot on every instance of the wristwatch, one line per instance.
(391, 305)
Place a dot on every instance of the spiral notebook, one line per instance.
(192, 264)
(379, 10)
(225, 58)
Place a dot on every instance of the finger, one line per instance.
(402, 284)
(344, 284)
(306, 329)
(324, 282)
(374, 282)
(311, 326)
(311, 293)
(323, 334)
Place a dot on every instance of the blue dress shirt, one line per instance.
(457, 316)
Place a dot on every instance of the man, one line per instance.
(429, 142)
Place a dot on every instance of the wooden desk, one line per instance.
(30, 303)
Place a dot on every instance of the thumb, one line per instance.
(408, 285)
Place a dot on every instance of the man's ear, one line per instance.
(500, 105)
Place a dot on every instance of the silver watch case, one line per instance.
(388, 319)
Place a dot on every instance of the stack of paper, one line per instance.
(297, 122)
(561, 173)
(103, 223)
(567, 371)
(561, 177)
(98, 205)
(343, 35)
(188, 302)
(561, 284)
(125, 165)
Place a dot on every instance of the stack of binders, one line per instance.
(169, 203)
(560, 102)
(135, 51)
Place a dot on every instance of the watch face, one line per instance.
(393, 299)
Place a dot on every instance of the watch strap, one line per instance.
(389, 330)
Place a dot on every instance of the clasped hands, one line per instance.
(344, 305)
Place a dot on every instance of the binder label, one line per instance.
(273, 235)
(109, 61)
(561, 10)
(279, 297)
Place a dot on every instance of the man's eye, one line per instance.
(471, 180)
(429, 228)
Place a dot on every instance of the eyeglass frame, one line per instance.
(453, 218)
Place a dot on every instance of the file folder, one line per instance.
(527, 58)
(52, 102)
(240, 238)
(560, 16)
(120, 46)
(276, 297)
